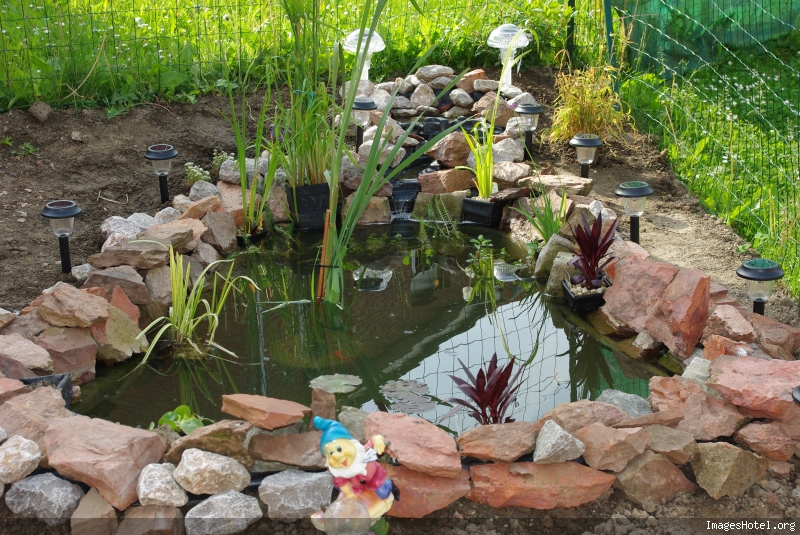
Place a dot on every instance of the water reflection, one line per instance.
(414, 329)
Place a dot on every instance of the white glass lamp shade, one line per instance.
(585, 154)
(634, 206)
(361, 118)
(162, 167)
(508, 38)
(528, 122)
(348, 516)
(62, 227)
(376, 44)
(759, 290)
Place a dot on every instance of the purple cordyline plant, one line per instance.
(490, 393)
(594, 247)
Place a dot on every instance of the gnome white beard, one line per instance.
(359, 466)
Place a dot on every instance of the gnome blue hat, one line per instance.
(331, 430)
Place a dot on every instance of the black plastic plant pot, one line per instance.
(311, 204)
(251, 239)
(582, 303)
(59, 381)
(483, 213)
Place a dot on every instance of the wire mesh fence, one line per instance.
(718, 85)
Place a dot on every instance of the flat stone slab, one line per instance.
(266, 413)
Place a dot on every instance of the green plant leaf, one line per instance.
(190, 424)
(183, 411)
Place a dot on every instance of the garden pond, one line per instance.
(418, 310)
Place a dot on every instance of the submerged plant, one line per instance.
(490, 393)
(594, 247)
(545, 220)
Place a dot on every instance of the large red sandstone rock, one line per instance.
(451, 151)
(722, 469)
(537, 486)
(104, 455)
(621, 250)
(225, 437)
(651, 478)
(182, 234)
(323, 404)
(11, 388)
(761, 388)
(726, 321)
(577, 414)
(606, 324)
(125, 277)
(416, 443)
(121, 300)
(422, 494)
(768, 439)
(266, 413)
(232, 200)
(66, 306)
(669, 418)
(611, 449)
(705, 417)
(142, 254)
(153, 520)
(198, 209)
(14, 369)
(498, 442)
(775, 333)
(94, 516)
(299, 449)
(467, 82)
(677, 318)
(72, 349)
(28, 415)
(27, 353)
(117, 337)
(447, 181)
(716, 346)
(638, 283)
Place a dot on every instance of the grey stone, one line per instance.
(560, 270)
(40, 111)
(167, 215)
(507, 173)
(3, 434)
(202, 189)
(389, 87)
(182, 202)
(522, 98)
(508, 150)
(456, 112)
(229, 172)
(381, 99)
(143, 221)
(427, 111)
(405, 113)
(413, 81)
(555, 445)
(294, 494)
(353, 420)
(512, 128)
(510, 91)
(205, 253)
(401, 103)
(461, 98)
(159, 285)
(633, 405)
(405, 86)
(423, 95)
(82, 272)
(485, 86)
(697, 369)
(45, 497)
(203, 472)
(365, 88)
(544, 263)
(120, 226)
(441, 82)
(451, 202)
(366, 147)
(428, 73)
(18, 458)
(156, 486)
(225, 513)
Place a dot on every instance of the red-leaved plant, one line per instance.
(594, 251)
(490, 393)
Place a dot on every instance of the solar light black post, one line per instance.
(62, 221)
(634, 194)
(528, 121)
(760, 275)
(362, 106)
(161, 156)
(586, 146)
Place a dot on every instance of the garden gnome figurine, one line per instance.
(355, 468)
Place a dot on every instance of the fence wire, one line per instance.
(718, 84)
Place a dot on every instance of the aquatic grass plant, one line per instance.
(587, 104)
(490, 393)
(545, 220)
(593, 257)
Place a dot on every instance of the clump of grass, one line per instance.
(588, 104)
(544, 219)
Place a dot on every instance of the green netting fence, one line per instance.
(717, 82)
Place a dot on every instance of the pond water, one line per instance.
(409, 321)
